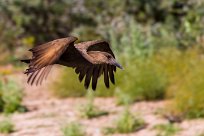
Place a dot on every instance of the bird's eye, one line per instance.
(109, 57)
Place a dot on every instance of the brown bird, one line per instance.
(90, 59)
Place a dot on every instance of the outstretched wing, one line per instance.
(90, 71)
(44, 56)
(93, 72)
(96, 45)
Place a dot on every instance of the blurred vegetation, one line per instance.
(166, 129)
(10, 96)
(126, 123)
(189, 91)
(72, 129)
(165, 23)
(68, 85)
(159, 43)
(6, 126)
(89, 110)
(149, 82)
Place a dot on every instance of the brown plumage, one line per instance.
(90, 59)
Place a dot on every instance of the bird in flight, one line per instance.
(90, 60)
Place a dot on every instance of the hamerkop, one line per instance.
(90, 59)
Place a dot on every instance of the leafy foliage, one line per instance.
(72, 129)
(166, 23)
(185, 82)
(188, 99)
(147, 82)
(166, 129)
(10, 97)
(6, 126)
(67, 85)
(126, 123)
(89, 111)
(142, 78)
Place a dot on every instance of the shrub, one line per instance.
(188, 86)
(172, 63)
(67, 85)
(10, 97)
(141, 80)
(6, 126)
(189, 98)
(166, 129)
(89, 111)
(72, 129)
(126, 123)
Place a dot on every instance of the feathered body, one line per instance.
(90, 59)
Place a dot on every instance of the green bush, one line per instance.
(68, 84)
(185, 81)
(89, 110)
(10, 97)
(166, 129)
(72, 129)
(173, 64)
(141, 80)
(126, 123)
(190, 90)
(6, 126)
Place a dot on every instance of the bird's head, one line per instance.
(104, 57)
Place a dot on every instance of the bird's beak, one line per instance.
(117, 64)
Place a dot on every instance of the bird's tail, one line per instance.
(27, 61)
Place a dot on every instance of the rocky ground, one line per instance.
(47, 114)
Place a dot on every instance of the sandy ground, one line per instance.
(47, 114)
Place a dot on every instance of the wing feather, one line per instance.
(96, 70)
(88, 77)
(82, 74)
(95, 77)
(44, 56)
(111, 74)
(96, 45)
(35, 74)
(106, 77)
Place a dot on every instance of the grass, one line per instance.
(68, 85)
(166, 129)
(189, 99)
(6, 126)
(188, 87)
(126, 123)
(89, 111)
(72, 129)
(10, 97)
(141, 81)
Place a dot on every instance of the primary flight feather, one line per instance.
(90, 59)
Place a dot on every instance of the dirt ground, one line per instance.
(47, 114)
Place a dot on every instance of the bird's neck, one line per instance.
(89, 58)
